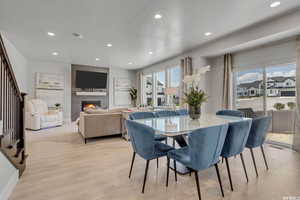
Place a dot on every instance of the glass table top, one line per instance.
(180, 125)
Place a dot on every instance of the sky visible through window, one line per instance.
(175, 76)
(256, 74)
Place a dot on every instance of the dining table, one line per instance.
(178, 128)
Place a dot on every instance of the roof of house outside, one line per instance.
(255, 84)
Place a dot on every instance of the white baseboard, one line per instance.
(8, 189)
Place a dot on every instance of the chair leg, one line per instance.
(168, 168)
(173, 142)
(244, 166)
(132, 161)
(145, 177)
(175, 170)
(253, 159)
(219, 179)
(198, 186)
(157, 163)
(263, 153)
(229, 175)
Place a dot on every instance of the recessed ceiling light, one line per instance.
(207, 33)
(51, 34)
(150, 52)
(54, 53)
(275, 4)
(157, 16)
(97, 59)
(109, 45)
(77, 35)
(130, 63)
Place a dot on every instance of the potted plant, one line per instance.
(194, 98)
(279, 106)
(133, 95)
(291, 105)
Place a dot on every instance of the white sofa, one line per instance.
(37, 115)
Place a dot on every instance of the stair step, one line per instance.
(18, 153)
(13, 145)
(24, 159)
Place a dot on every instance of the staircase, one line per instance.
(12, 135)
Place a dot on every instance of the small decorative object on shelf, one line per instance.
(194, 98)
(133, 95)
(57, 105)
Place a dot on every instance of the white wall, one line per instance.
(51, 67)
(18, 62)
(9, 177)
(119, 73)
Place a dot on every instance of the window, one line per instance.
(284, 78)
(249, 89)
(160, 87)
(155, 84)
(148, 89)
(175, 80)
(270, 90)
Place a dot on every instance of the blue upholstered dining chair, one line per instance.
(182, 112)
(203, 151)
(143, 144)
(145, 115)
(257, 137)
(235, 142)
(234, 113)
(166, 113)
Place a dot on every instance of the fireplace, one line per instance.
(90, 104)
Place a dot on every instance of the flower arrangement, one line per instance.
(133, 95)
(195, 97)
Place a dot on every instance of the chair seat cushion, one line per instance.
(49, 117)
(181, 155)
(159, 137)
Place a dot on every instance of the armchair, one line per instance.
(37, 115)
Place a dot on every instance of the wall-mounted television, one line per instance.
(87, 79)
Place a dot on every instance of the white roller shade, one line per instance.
(280, 53)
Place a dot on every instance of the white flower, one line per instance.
(195, 78)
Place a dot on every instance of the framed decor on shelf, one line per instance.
(50, 81)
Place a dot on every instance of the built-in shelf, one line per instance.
(91, 93)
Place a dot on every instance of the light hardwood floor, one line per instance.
(61, 167)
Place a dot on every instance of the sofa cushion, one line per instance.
(95, 111)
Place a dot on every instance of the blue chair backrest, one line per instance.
(182, 112)
(166, 113)
(236, 138)
(258, 131)
(234, 113)
(205, 146)
(142, 138)
(141, 115)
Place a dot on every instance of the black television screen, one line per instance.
(86, 79)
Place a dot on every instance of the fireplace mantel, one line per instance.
(91, 93)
